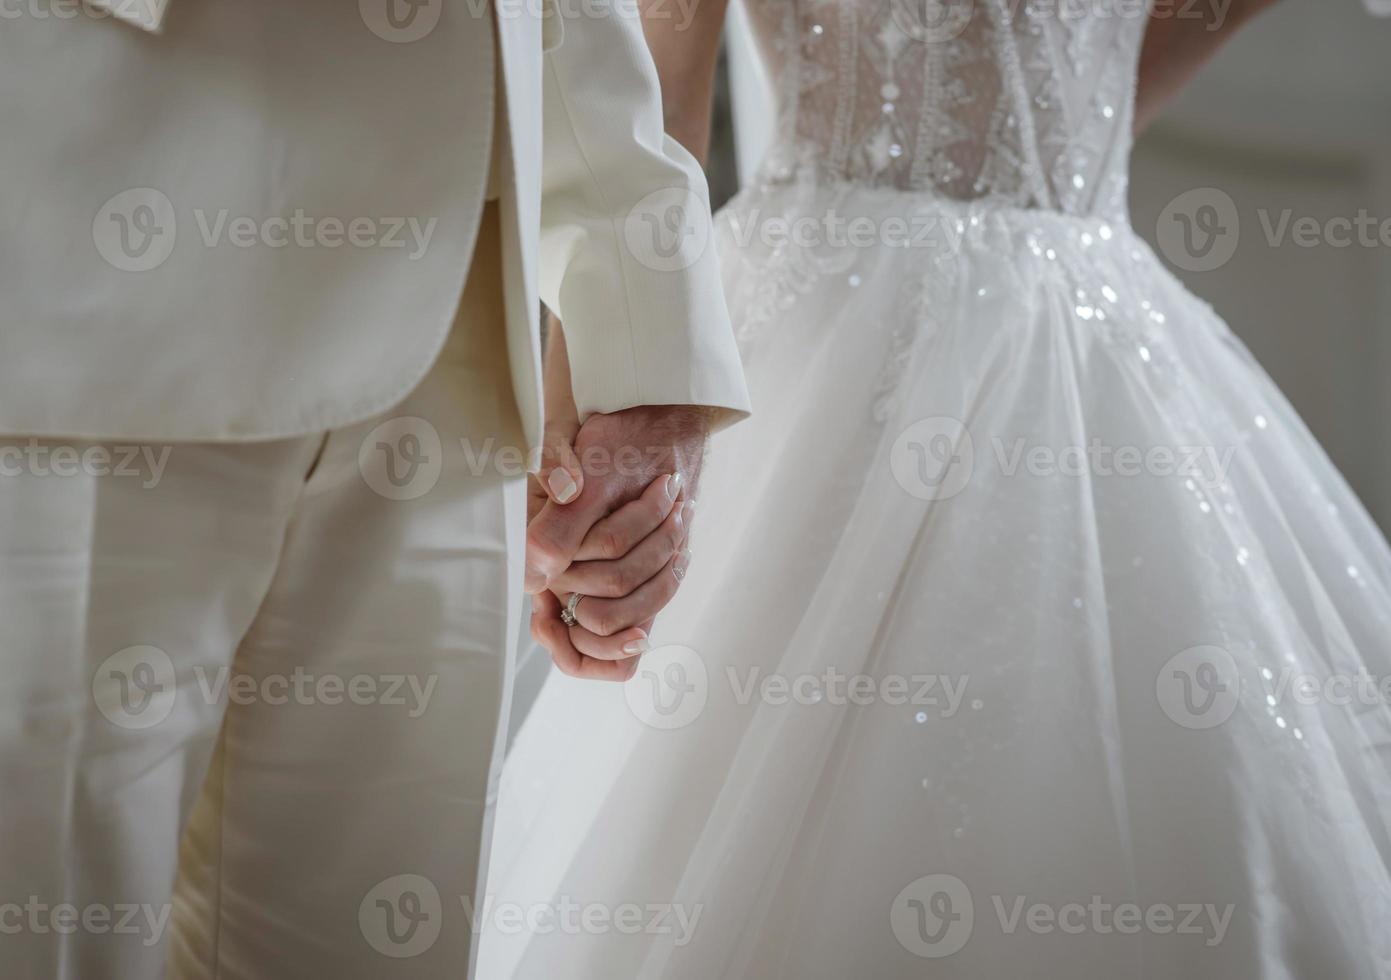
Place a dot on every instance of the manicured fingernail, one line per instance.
(687, 513)
(634, 647)
(673, 486)
(562, 484)
(678, 567)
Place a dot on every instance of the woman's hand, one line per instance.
(627, 570)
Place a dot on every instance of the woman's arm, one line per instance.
(559, 467)
(684, 36)
(1180, 41)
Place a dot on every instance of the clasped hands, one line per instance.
(609, 517)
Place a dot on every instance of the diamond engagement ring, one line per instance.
(567, 615)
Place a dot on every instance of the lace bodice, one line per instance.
(1027, 103)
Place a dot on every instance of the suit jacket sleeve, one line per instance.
(627, 257)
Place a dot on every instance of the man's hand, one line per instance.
(619, 539)
(619, 456)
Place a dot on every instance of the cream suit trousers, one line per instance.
(254, 695)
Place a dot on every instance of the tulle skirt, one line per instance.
(1029, 633)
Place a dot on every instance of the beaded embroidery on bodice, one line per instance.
(1023, 103)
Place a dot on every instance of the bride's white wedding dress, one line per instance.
(1029, 632)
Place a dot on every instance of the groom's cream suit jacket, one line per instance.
(250, 219)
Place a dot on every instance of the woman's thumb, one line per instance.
(561, 474)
